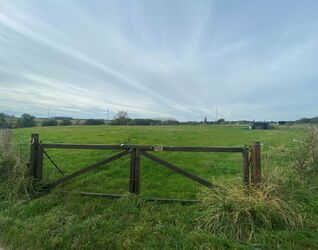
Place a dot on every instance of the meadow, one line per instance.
(64, 221)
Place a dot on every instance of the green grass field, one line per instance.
(59, 221)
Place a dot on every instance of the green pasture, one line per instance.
(62, 221)
(156, 181)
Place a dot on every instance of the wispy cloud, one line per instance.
(176, 59)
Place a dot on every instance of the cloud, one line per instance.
(177, 59)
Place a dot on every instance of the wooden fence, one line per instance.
(251, 162)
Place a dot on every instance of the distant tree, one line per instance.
(171, 122)
(142, 121)
(63, 118)
(314, 120)
(65, 122)
(26, 121)
(3, 121)
(50, 122)
(304, 120)
(220, 121)
(191, 123)
(121, 118)
(94, 122)
(205, 120)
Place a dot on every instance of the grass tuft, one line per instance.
(239, 213)
(14, 177)
(306, 156)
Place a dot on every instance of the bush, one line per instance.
(171, 122)
(239, 213)
(26, 121)
(94, 122)
(50, 122)
(14, 177)
(66, 122)
(3, 121)
(306, 156)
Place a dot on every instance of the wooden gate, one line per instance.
(251, 162)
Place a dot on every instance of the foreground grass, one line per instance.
(58, 221)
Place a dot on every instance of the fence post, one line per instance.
(256, 163)
(246, 167)
(36, 157)
(132, 172)
(134, 181)
(137, 171)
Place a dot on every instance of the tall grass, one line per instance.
(239, 213)
(277, 204)
(306, 156)
(14, 176)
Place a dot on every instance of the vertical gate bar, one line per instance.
(246, 169)
(132, 171)
(34, 148)
(39, 169)
(256, 163)
(137, 171)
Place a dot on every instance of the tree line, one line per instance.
(121, 118)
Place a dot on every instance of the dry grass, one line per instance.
(14, 177)
(306, 156)
(239, 212)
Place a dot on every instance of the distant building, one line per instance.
(259, 125)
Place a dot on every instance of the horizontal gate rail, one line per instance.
(203, 149)
(81, 146)
(145, 148)
(117, 196)
(177, 169)
(87, 169)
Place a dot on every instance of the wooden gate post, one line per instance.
(36, 157)
(137, 171)
(246, 167)
(256, 163)
(134, 181)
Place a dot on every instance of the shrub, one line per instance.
(66, 122)
(26, 121)
(239, 213)
(171, 122)
(50, 122)
(306, 156)
(3, 121)
(14, 176)
(94, 122)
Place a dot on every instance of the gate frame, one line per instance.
(251, 162)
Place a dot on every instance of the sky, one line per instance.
(179, 59)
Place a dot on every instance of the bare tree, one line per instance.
(121, 118)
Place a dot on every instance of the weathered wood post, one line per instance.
(246, 167)
(134, 181)
(256, 163)
(36, 157)
(137, 171)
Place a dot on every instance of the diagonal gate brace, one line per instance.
(177, 169)
(87, 169)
